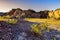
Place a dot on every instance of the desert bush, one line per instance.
(34, 28)
(39, 28)
(12, 21)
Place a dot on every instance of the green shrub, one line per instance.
(35, 29)
(12, 21)
(54, 38)
(38, 28)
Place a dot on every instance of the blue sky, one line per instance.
(37, 5)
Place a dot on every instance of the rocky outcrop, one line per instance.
(19, 31)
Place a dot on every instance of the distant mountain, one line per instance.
(1, 13)
(31, 13)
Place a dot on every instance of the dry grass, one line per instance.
(53, 24)
(50, 21)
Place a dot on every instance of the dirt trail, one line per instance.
(55, 27)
